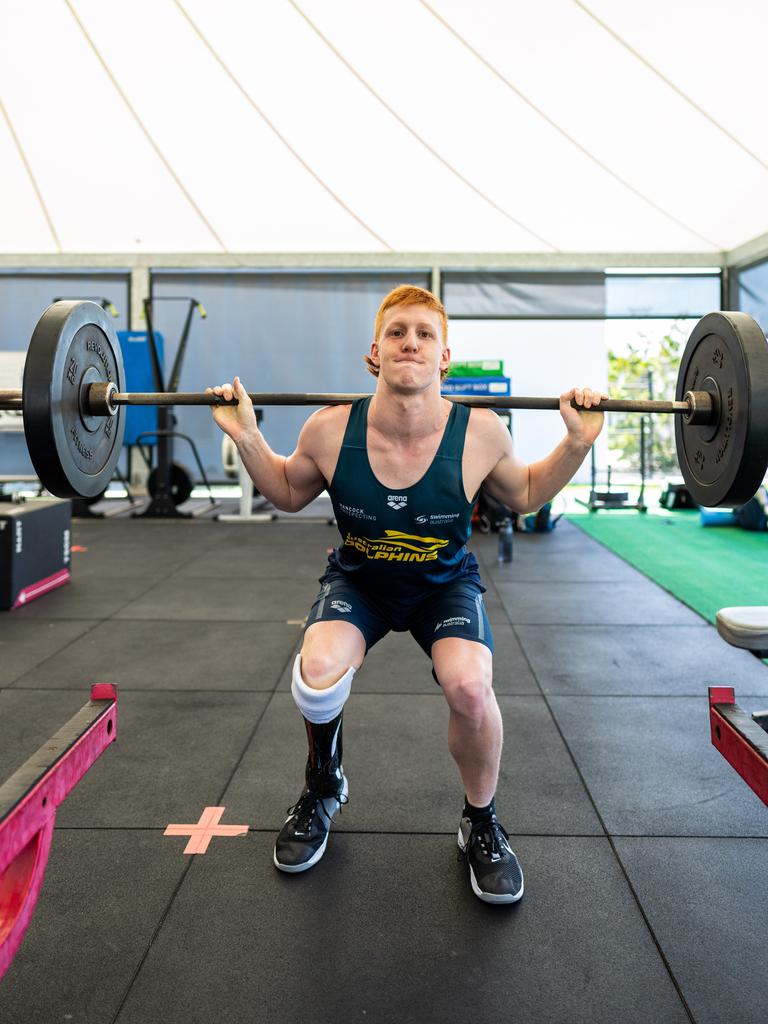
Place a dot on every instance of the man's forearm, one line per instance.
(266, 468)
(548, 477)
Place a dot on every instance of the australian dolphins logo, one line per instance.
(410, 541)
(396, 546)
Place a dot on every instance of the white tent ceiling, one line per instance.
(364, 126)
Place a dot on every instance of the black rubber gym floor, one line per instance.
(645, 855)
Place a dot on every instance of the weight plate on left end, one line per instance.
(724, 463)
(73, 345)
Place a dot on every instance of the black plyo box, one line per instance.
(34, 549)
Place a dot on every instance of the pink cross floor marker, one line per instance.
(205, 829)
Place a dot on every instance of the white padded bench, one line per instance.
(745, 627)
(748, 628)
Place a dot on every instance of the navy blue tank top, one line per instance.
(402, 543)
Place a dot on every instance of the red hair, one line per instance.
(408, 295)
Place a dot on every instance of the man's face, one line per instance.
(409, 350)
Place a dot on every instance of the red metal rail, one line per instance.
(742, 742)
(28, 804)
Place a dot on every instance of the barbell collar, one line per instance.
(97, 402)
(101, 399)
(701, 408)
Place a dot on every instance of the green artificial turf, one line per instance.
(707, 568)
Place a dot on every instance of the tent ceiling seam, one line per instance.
(31, 176)
(671, 85)
(430, 149)
(569, 138)
(134, 113)
(294, 153)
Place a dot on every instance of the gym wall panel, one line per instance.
(544, 295)
(24, 296)
(751, 289)
(305, 331)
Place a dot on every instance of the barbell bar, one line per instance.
(103, 400)
(72, 401)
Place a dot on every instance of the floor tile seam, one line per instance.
(236, 691)
(94, 625)
(188, 866)
(260, 718)
(531, 669)
(622, 868)
(228, 619)
(605, 625)
(609, 838)
(249, 578)
(644, 583)
(704, 626)
(560, 579)
(188, 561)
(518, 833)
(126, 688)
(116, 612)
(653, 696)
(644, 574)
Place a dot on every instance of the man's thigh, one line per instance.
(344, 615)
(458, 664)
(453, 610)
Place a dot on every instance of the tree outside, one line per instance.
(648, 369)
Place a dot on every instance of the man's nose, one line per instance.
(411, 340)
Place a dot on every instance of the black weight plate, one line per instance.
(724, 463)
(73, 345)
(180, 483)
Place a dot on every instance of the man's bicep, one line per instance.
(508, 480)
(302, 473)
(301, 469)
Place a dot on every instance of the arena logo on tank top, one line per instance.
(397, 501)
(402, 540)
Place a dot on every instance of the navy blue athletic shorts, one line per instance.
(452, 609)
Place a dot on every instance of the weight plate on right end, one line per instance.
(724, 463)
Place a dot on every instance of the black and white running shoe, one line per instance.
(304, 836)
(494, 870)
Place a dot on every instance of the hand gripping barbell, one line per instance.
(72, 401)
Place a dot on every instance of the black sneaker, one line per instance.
(304, 836)
(494, 870)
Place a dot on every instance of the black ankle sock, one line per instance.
(479, 814)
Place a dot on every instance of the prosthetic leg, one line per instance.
(304, 836)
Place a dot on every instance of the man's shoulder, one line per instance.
(325, 427)
(484, 424)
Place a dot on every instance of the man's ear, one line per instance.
(375, 352)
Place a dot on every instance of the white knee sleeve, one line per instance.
(320, 706)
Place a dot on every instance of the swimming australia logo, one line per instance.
(341, 606)
(422, 519)
(457, 620)
(442, 517)
(397, 500)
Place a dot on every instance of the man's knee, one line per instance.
(328, 651)
(469, 694)
(321, 668)
(466, 677)
(320, 704)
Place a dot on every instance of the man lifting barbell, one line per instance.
(403, 468)
(72, 400)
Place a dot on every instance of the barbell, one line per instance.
(72, 400)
